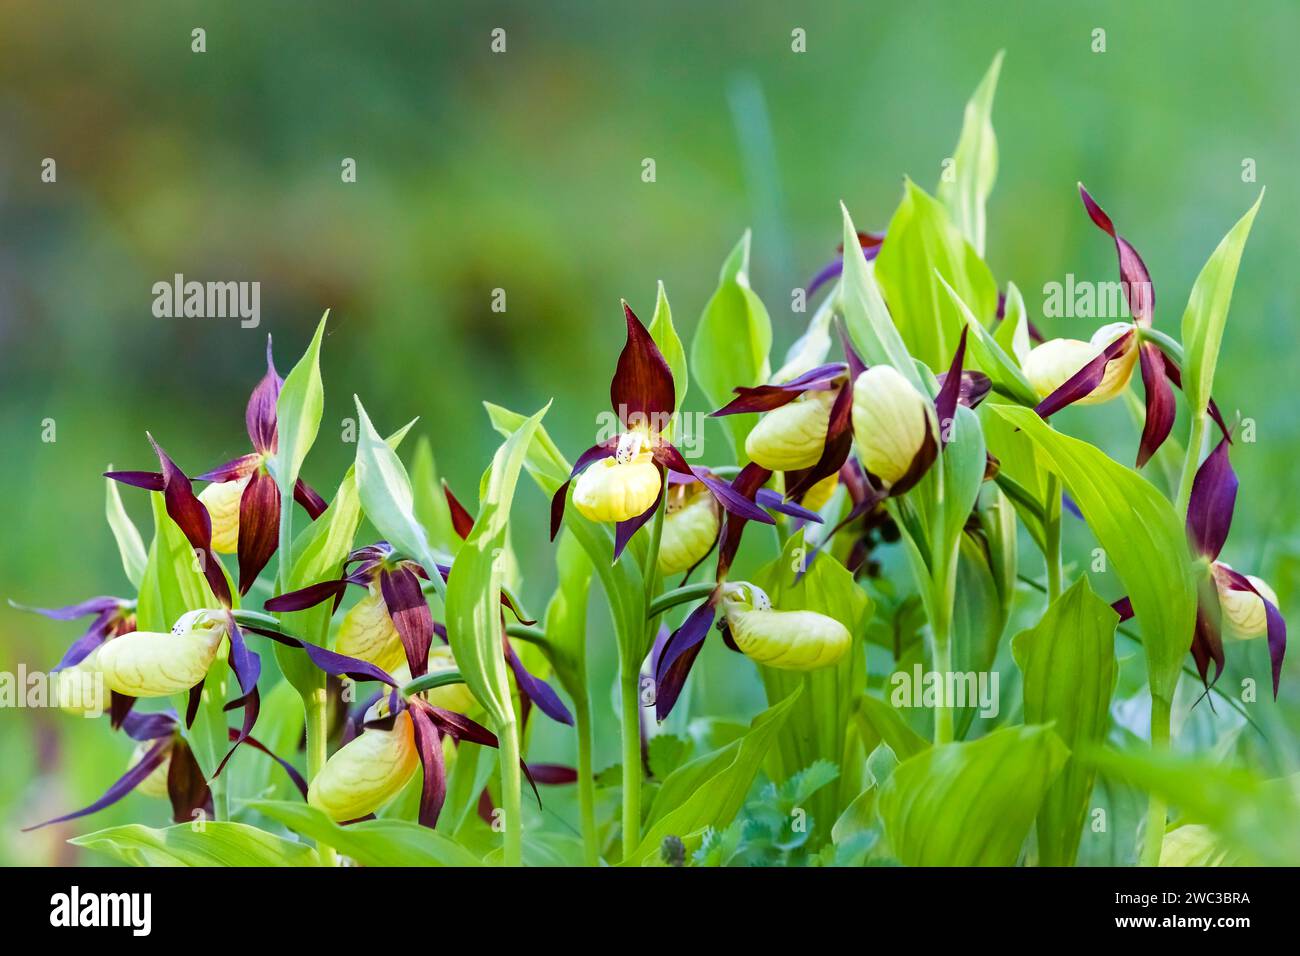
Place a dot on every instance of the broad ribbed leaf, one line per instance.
(1207, 311)
(975, 162)
(970, 804)
(217, 844)
(1068, 663)
(732, 341)
(866, 316)
(921, 246)
(474, 588)
(1142, 536)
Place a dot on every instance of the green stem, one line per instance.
(1194, 442)
(586, 784)
(1052, 536)
(511, 802)
(682, 595)
(631, 717)
(317, 743)
(1154, 837)
(942, 655)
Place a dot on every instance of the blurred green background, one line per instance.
(522, 171)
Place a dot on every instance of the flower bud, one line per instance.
(816, 497)
(792, 436)
(892, 422)
(1244, 611)
(368, 634)
(154, 785)
(222, 498)
(690, 528)
(612, 490)
(145, 664)
(789, 640)
(368, 772)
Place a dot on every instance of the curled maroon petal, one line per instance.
(148, 480)
(1175, 375)
(411, 616)
(1160, 403)
(428, 744)
(259, 416)
(1083, 382)
(945, 403)
(553, 774)
(188, 791)
(307, 597)
(1134, 278)
(1209, 509)
(642, 389)
(678, 654)
(536, 689)
(311, 501)
(835, 448)
(289, 768)
(744, 486)
(773, 501)
(233, 470)
(259, 527)
(462, 522)
(764, 398)
(336, 665)
(1276, 622)
(184, 508)
(142, 727)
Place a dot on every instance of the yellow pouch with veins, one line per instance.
(689, 532)
(789, 640)
(368, 772)
(792, 436)
(222, 499)
(367, 633)
(612, 491)
(147, 664)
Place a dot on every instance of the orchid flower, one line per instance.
(162, 765)
(243, 501)
(113, 617)
(1246, 602)
(1068, 371)
(621, 480)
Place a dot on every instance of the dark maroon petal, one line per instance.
(870, 243)
(1083, 382)
(642, 388)
(835, 449)
(184, 508)
(745, 486)
(1209, 509)
(1207, 639)
(233, 470)
(945, 403)
(1276, 622)
(259, 527)
(428, 744)
(773, 501)
(538, 690)
(289, 768)
(921, 463)
(124, 785)
(851, 357)
(596, 452)
(678, 654)
(311, 502)
(558, 501)
(192, 701)
(1134, 278)
(148, 480)
(119, 708)
(1124, 608)
(553, 774)
(461, 727)
(975, 387)
(186, 788)
(411, 616)
(244, 663)
(624, 530)
(764, 398)
(260, 417)
(307, 597)
(506, 602)
(142, 727)
(462, 522)
(251, 705)
(736, 503)
(1160, 403)
(336, 665)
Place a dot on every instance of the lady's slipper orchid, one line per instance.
(621, 480)
(1248, 604)
(144, 664)
(163, 766)
(1066, 371)
(242, 503)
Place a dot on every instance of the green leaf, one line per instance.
(544, 461)
(970, 804)
(1068, 662)
(732, 341)
(1207, 311)
(566, 615)
(710, 790)
(867, 318)
(1142, 536)
(665, 336)
(217, 844)
(371, 842)
(474, 588)
(387, 499)
(130, 546)
(298, 412)
(975, 162)
(890, 728)
(431, 508)
(925, 250)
